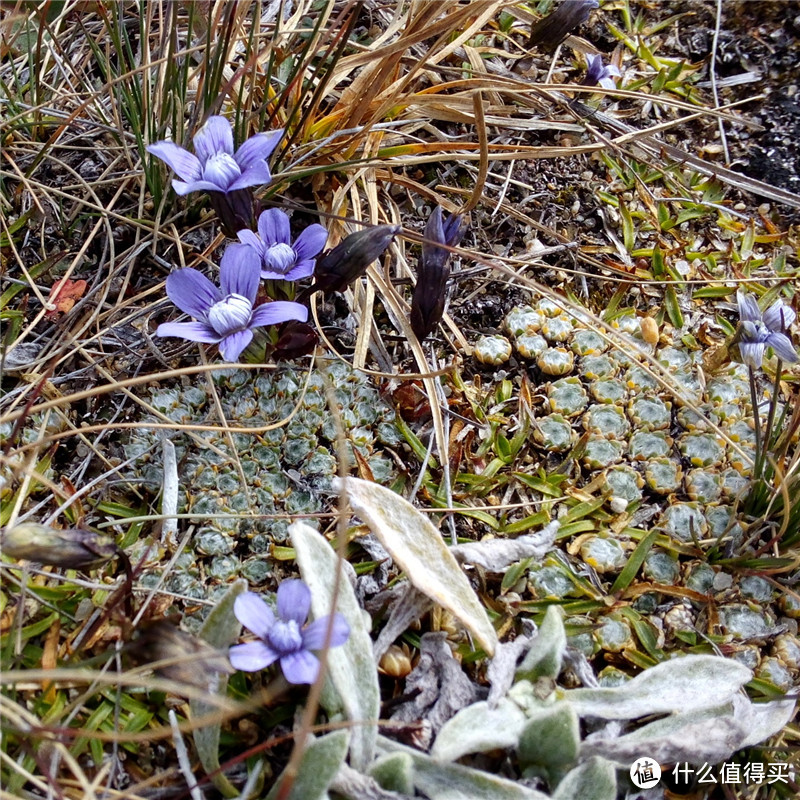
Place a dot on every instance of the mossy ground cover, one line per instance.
(585, 370)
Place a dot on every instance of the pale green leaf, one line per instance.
(595, 779)
(479, 728)
(351, 668)
(550, 741)
(543, 659)
(709, 735)
(684, 683)
(440, 780)
(318, 767)
(394, 772)
(418, 549)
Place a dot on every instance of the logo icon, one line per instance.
(645, 772)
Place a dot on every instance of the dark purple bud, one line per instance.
(433, 272)
(295, 339)
(548, 32)
(336, 270)
(235, 210)
(69, 549)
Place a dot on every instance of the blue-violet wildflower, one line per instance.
(284, 638)
(758, 331)
(280, 259)
(225, 316)
(215, 167)
(597, 74)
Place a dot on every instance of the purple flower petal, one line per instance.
(257, 148)
(594, 65)
(300, 667)
(752, 353)
(255, 175)
(276, 312)
(214, 137)
(254, 614)
(231, 346)
(286, 637)
(230, 315)
(279, 258)
(222, 171)
(180, 161)
(748, 307)
(239, 271)
(193, 331)
(182, 188)
(252, 656)
(274, 228)
(310, 242)
(779, 317)
(434, 229)
(303, 269)
(314, 634)
(250, 239)
(294, 601)
(192, 292)
(783, 347)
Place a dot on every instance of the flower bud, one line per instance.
(548, 32)
(295, 339)
(71, 548)
(336, 270)
(430, 292)
(235, 210)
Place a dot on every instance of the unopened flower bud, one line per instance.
(548, 32)
(433, 272)
(235, 210)
(70, 549)
(295, 339)
(336, 270)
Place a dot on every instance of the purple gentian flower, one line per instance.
(599, 75)
(215, 167)
(758, 331)
(225, 316)
(284, 638)
(280, 259)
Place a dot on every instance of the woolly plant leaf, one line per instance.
(762, 720)
(543, 659)
(321, 760)
(394, 772)
(684, 683)
(479, 728)
(418, 549)
(440, 780)
(351, 668)
(595, 779)
(710, 735)
(550, 741)
(220, 630)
